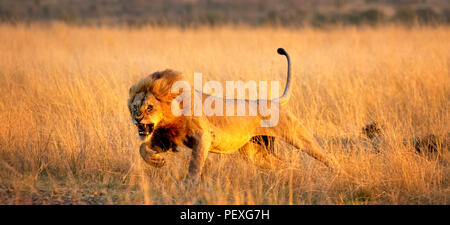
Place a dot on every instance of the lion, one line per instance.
(161, 130)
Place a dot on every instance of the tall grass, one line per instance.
(66, 136)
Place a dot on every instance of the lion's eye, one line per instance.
(149, 107)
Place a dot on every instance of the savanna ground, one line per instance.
(66, 136)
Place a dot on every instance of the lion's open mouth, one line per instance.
(145, 129)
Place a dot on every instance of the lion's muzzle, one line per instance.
(145, 129)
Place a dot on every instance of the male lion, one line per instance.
(150, 107)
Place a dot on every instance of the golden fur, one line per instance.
(150, 109)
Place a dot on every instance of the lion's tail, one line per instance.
(287, 90)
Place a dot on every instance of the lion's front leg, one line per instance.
(200, 149)
(150, 156)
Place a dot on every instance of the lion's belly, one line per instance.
(224, 145)
(228, 139)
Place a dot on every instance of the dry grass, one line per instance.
(66, 135)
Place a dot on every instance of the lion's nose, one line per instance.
(137, 120)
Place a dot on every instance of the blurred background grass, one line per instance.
(188, 13)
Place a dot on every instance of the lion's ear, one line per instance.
(158, 74)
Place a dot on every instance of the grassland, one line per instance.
(66, 136)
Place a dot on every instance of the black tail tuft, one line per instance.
(281, 51)
(286, 92)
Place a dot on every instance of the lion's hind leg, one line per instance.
(294, 133)
(259, 151)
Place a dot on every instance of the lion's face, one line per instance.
(145, 112)
(150, 100)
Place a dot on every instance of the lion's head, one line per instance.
(150, 100)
